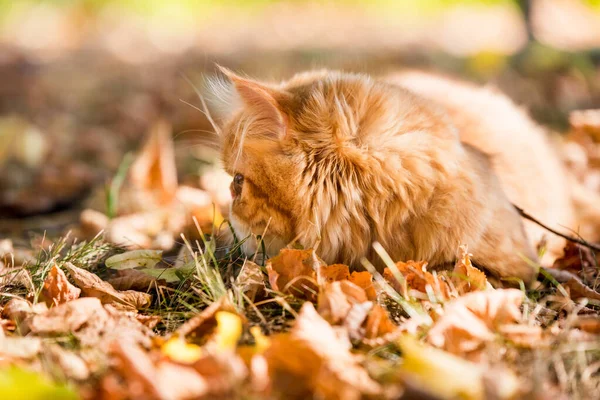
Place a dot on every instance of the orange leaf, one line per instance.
(57, 289)
(294, 272)
(466, 277)
(332, 273)
(364, 280)
(154, 168)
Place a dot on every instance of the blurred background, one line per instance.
(83, 82)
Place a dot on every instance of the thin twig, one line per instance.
(562, 235)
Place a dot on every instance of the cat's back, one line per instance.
(522, 155)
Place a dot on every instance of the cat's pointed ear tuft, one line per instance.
(262, 99)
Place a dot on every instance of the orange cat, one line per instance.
(340, 161)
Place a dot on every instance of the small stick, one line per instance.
(562, 235)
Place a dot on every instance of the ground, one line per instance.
(112, 285)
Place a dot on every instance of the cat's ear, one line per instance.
(262, 99)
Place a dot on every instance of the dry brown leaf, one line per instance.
(149, 321)
(138, 371)
(101, 332)
(378, 323)
(466, 277)
(523, 335)
(19, 347)
(588, 323)
(154, 169)
(337, 301)
(205, 322)
(71, 365)
(223, 372)
(17, 310)
(471, 320)
(416, 278)
(294, 272)
(364, 280)
(251, 280)
(181, 382)
(332, 273)
(334, 371)
(92, 286)
(131, 279)
(586, 121)
(57, 289)
(67, 317)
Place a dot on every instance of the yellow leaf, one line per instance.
(179, 350)
(262, 342)
(229, 330)
(443, 374)
(450, 377)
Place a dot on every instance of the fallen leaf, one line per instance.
(416, 277)
(466, 277)
(229, 330)
(17, 310)
(364, 280)
(471, 320)
(19, 347)
(65, 318)
(181, 382)
(57, 289)
(378, 323)
(251, 280)
(71, 365)
(149, 320)
(205, 322)
(590, 323)
(92, 286)
(447, 376)
(523, 335)
(177, 349)
(338, 298)
(223, 372)
(132, 279)
(315, 360)
(134, 259)
(17, 383)
(294, 272)
(154, 170)
(332, 273)
(138, 371)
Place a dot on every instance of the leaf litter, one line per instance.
(208, 325)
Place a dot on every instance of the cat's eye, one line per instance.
(236, 185)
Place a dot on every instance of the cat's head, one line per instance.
(301, 156)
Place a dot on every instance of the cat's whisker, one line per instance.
(205, 110)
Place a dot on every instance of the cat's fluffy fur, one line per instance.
(340, 161)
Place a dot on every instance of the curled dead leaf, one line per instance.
(295, 272)
(92, 286)
(204, 323)
(65, 318)
(378, 323)
(466, 277)
(154, 169)
(332, 273)
(12, 348)
(143, 379)
(364, 280)
(315, 359)
(17, 310)
(251, 280)
(416, 277)
(57, 289)
(471, 320)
